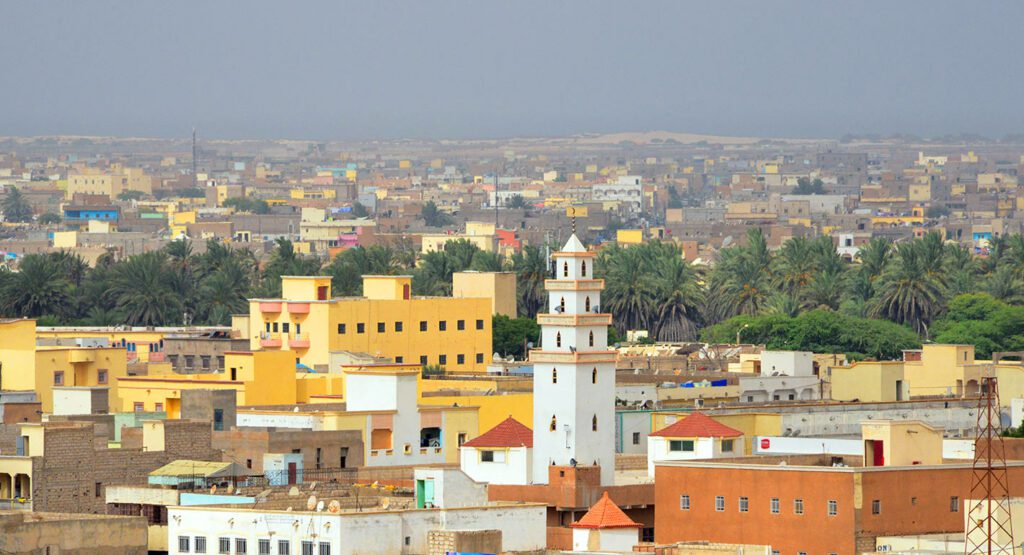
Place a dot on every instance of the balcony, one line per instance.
(574, 319)
(298, 308)
(270, 340)
(81, 355)
(300, 341)
(568, 357)
(574, 285)
(273, 308)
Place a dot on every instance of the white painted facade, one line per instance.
(574, 377)
(275, 419)
(452, 488)
(523, 528)
(779, 445)
(608, 540)
(766, 388)
(787, 363)
(659, 450)
(508, 466)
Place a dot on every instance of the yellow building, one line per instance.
(140, 344)
(94, 182)
(629, 236)
(387, 321)
(26, 367)
(312, 194)
(436, 242)
(870, 382)
(500, 287)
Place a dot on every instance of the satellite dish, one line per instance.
(311, 502)
(333, 506)
(319, 506)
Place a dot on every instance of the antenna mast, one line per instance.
(195, 180)
(989, 528)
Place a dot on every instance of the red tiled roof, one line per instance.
(605, 514)
(509, 433)
(697, 425)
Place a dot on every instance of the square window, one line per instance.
(264, 547)
(398, 326)
(101, 376)
(442, 325)
(636, 438)
(399, 360)
(224, 546)
(360, 328)
(775, 505)
(479, 358)
(341, 328)
(798, 506)
(727, 445)
(442, 359)
(284, 547)
(423, 360)
(681, 445)
(460, 325)
(58, 377)
(684, 502)
(833, 507)
(423, 325)
(307, 548)
(184, 544)
(719, 504)
(200, 544)
(744, 504)
(479, 324)
(138, 407)
(240, 547)
(460, 359)
(380, 327)
(325, 549)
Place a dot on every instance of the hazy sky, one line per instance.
(385, 69)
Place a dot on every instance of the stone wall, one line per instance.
(440, 542)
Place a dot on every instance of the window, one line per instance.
(554, 375)
(442, 325)
(398, 326)
(593, 423)
(138, 407)
(558, 339)
(583, 269)
(380, 327)
(264, 547)
(460, 359)
(593, 375)
(586, 305)
(224, 546)
(680, 445)
(798, 506)
(284, 547)
(636, 438)
(719, 504)
(554, 424)
(876, 507)
(833, 507)
(341, 329)
(285, 327)
(407, 449)
(460, 325)
(479, 324)
(590, 339)
(239, 546)
(158, 407)
(399, 360)
(479, 358)
(684, 502)
(775, 505)
(461, 438)
(727, 445)
(565, 269)
(200, 544)
(220, 361)
(307, 548)
(205, 359)
(183, 544)
(423, 360)
(274, 327)
(954, 504)
(101, 376)
(423, 325)
(442, 359)
(360, 328)
(492, 456)
(561, 305)
(325, 549)
(58, 377)
(744, 504)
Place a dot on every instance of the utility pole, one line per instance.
(989, 529)
(195, 180)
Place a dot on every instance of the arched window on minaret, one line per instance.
(554, 424)
(558, 339)
(593, 423)
(565, 269)
(583, 269)
(586, 304)
(561, 305)
(591, 339)
(554, 375)
(593, 375)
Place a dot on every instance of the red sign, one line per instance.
(765, 443)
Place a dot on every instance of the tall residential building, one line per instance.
(574, 371)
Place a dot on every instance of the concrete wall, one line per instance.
(22, 532)
(199, 404)
(515, 469)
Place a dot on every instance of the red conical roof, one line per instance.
(697, 425)
(509, 433)
(605, 514)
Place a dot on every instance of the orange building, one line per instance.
(808, 505)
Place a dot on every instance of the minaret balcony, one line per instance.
(584, 319)
(574, 284)
(538, 356)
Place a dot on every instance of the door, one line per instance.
(899, 390)
(293, 472)
(878, 452)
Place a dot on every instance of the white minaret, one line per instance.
(574, 371)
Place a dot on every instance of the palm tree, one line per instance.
(794, 265)
(531, 268)
(1004, 284)
(484, 261)
(874, 257)
(16, 207)
(630, 289)
(39, 287)
(677, 299)
(825, 290)
(741, 283)
(141, 290)
(908, 292)
(782, 304)
(434, 275)
(961, 269)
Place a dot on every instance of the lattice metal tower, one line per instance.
(988, 527)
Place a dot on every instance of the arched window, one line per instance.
(586, 305)
(591, 339)
(561, 305)
(554, 375)
(583, 269)
(593, 423)
(565, 269)
(554, 423)
(593, 375)
(558, 339)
